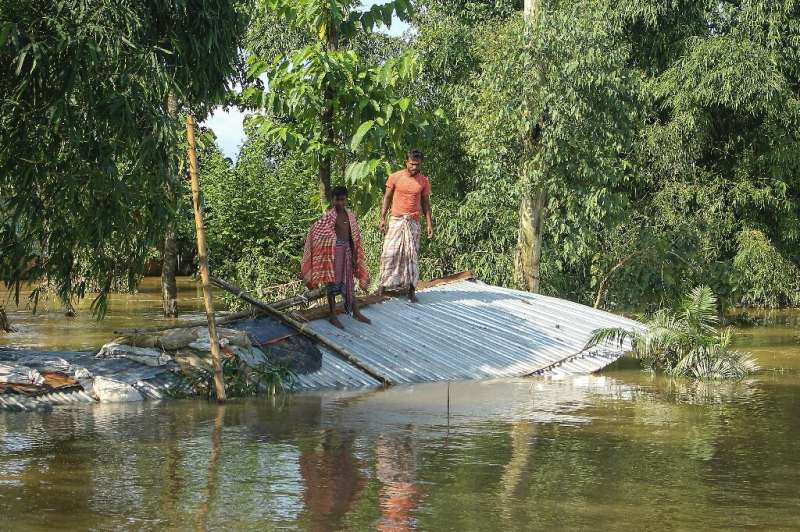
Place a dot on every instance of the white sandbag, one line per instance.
(142, 355)
(107, 390)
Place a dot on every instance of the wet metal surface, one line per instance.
(470, 330)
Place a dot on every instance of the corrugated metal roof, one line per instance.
(334, 373)
(16, 402)
(469, 330)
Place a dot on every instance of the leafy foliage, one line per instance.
(326, 101)
(717, 156)
(553, 109)
(86, 142)
(664, 133)
(669, 144)
(762, 275)
(685, 342)
(240, 382)
(257, 212)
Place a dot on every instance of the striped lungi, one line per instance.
(399, 260)
(343, 268)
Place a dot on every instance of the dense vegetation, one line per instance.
(89, 148)
(615, 153)
(661, 138)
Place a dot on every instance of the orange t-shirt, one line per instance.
(408, 192)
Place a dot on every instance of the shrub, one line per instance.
(685, 342)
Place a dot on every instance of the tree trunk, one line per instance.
(326, 160)
(532, 205)
(169, 266)
(328, 133)
(169, 269)
(601, 290)
(5, 326)
(529, 240)
(530, 9)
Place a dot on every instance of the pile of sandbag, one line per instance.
(158, 365)
(188, 351)
(130, 368)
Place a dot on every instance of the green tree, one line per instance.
(325, 100)
(718, 157)
(553, 111)
(258, 211)
(87, 146)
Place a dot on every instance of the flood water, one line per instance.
(619, 450)
(49, 330)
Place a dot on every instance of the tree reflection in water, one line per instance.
(213, 471)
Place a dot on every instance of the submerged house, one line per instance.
(462, 329)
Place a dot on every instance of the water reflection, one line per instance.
(604, 452)
(515, 471)
(396, 469)
(213, 471)
(331, 477)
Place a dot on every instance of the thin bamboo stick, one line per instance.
(202, 256)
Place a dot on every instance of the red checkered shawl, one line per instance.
(318, 255)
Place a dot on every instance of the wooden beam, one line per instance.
(303, 329)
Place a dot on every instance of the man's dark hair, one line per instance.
(339, 192)
(415, 155)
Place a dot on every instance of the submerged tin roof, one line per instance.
(466, 330)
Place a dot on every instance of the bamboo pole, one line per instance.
(303, 329)
(202, 256)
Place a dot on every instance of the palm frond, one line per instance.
(610, 335)
(684, 343)
(699, 309)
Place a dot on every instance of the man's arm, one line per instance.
(387, 202)
(426, 208)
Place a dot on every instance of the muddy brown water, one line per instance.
(619, 450)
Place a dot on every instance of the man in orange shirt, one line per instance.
(408, 194)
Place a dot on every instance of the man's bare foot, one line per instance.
(360, 317)
(336, 323)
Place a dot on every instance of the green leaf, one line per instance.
(5, 30)
(363, 129)
(386, 15)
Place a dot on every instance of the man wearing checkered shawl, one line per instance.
(333, 256)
